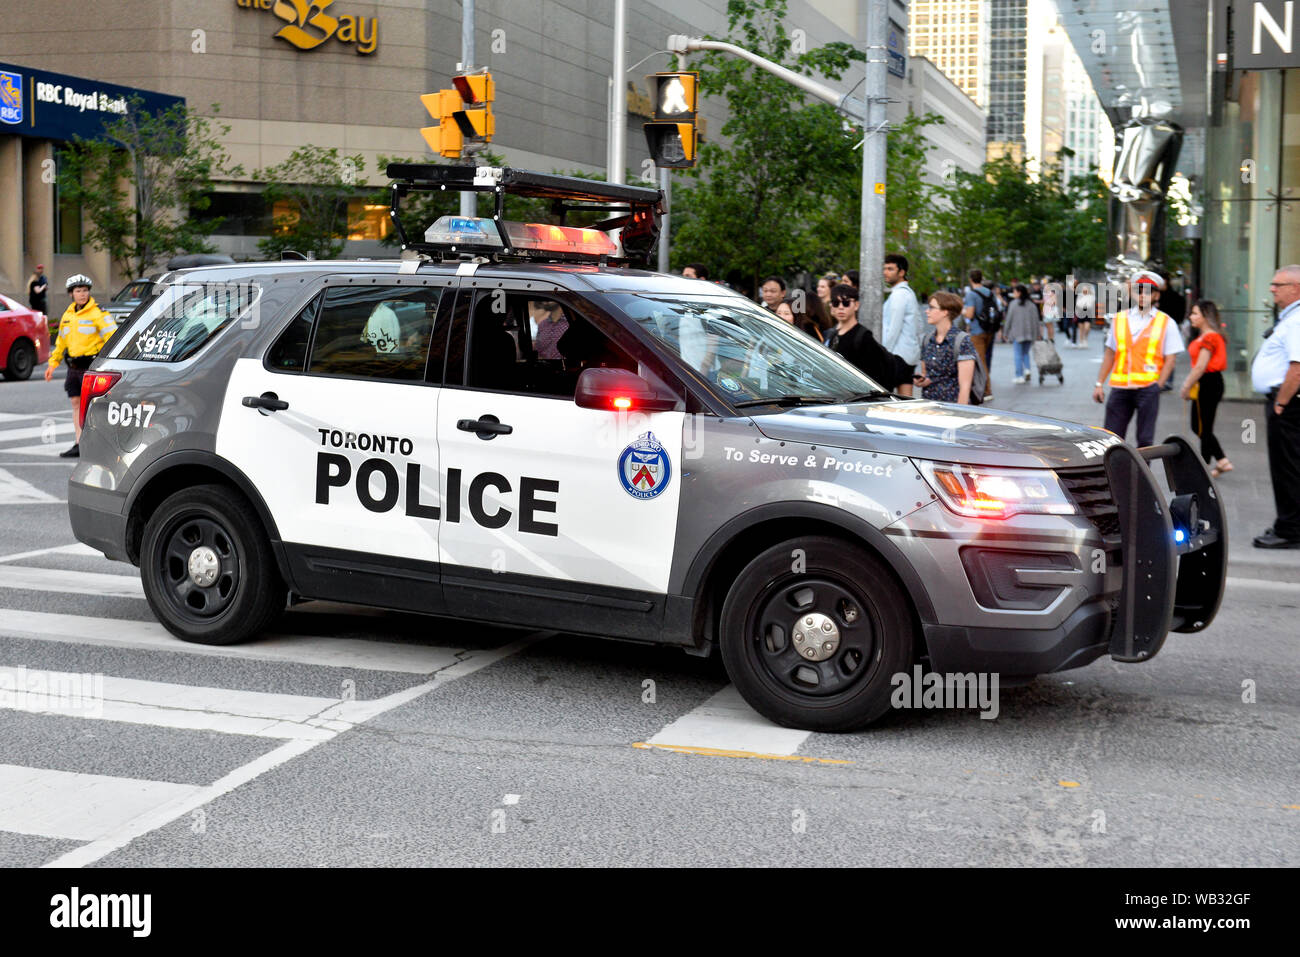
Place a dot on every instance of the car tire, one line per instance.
(21, 361)
(837, 591)
(207, 567)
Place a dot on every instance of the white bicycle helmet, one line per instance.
(80, 279)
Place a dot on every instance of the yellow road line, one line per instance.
(722, 753)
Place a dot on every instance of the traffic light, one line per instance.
(445, 138)
(463, 113)
(474, 117)
(672, 137)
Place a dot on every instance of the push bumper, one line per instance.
(1174, 554)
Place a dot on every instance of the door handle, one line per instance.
(485, 426)
(267, 401)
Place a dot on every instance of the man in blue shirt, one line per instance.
(975, 304)
(901, 329)
(1276, 373)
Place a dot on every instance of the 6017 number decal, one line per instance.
(124, 413)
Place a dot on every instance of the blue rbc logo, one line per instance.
(11, 98)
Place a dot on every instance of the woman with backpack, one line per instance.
(1021, 329)
(948, 358)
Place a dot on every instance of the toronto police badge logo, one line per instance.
(644, 467)
(11, 98)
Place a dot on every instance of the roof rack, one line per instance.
(633, 209)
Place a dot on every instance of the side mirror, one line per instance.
(617, 390)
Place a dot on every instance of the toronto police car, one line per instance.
(515, 424)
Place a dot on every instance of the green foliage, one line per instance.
(166, 162)
(317, 183)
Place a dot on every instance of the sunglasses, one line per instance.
(843, 302)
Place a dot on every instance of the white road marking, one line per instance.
(1264, 583)
(71, 583)
(78, 807)
(359, 711)
(14, 491)
(192, 707)
(19, 416)
(48, 449)
(34, 432)
(324, 652)
(726, 723)
(75, 549)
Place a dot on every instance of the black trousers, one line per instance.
(1204, 406)
(1284, 466)
(1123, 404)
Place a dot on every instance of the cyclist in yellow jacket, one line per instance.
(83, 331)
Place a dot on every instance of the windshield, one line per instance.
(749, 354)
(133, 291)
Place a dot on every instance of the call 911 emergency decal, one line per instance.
(644, 467)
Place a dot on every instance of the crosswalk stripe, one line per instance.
(77, 807)
(164, 814)
(71, 583)
(150, 636)
(75, 549)
(19, 416)
(726, 724)
(36, 432)
(14, 491)
(48, 449)
(191, 707)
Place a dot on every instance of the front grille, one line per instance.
(1090, 489)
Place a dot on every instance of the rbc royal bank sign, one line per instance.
(55, 106)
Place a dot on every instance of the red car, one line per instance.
(24, 339)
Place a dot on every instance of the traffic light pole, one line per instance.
(870, 113)
(468, 201)
(617, 159)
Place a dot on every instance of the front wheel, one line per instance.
(813, 631)
(21, 361)
(207, 568)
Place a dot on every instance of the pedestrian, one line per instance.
(901, 328)
(824, 286)
(771, 291)
(789, 310)
(1052, 313)
(1276, 373)
(38, 286)
(1021, 329)
(83, 331)
(1085, 310)
(1137, 361)
(1204, 384)
(695, 271)
(854, 341)
(549, 323)
(980, 311)
(948, 356)
(850, 278)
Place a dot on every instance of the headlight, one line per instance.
(979, 492)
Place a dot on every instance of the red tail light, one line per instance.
(93, 385)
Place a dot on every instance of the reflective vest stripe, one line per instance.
(1147, 349)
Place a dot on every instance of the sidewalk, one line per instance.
(1247, 492)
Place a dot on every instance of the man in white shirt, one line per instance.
(1140, 364)
(901, 330)
(1276, 373)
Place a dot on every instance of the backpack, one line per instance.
(990, 314)
(980, 378)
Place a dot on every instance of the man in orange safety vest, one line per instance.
(1138, 360)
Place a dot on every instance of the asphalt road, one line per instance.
(374, 738)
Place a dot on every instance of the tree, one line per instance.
(758, 205)
(138, 184)
(315, 183)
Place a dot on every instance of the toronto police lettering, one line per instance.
(334, 470)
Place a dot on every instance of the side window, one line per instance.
(289, 354)
(187, 315)
(377, 332)
(520, 342)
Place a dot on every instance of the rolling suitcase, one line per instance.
(1047, 360)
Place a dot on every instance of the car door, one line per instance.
(542, 497)
(336, 427)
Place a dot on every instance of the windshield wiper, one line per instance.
(871, 396)
(787, 400)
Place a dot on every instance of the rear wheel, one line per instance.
(207, 568)
(812, 632)
(21, 361)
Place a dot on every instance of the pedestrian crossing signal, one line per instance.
(473, 114)
(672, 137)
(446, 138)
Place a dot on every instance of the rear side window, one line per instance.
(186, 316)
(375, 332)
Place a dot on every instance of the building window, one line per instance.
(67, 215)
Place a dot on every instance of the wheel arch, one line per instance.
(185, 469)
(718, 563)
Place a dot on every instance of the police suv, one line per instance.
(514, 423)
